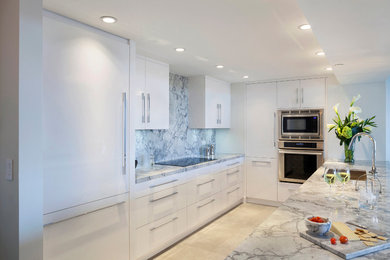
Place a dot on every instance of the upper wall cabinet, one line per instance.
(307, 93)
(208, 103)
(152, 90)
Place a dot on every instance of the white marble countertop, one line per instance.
(278, 236)
(158, 171)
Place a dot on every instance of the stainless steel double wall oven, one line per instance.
(301, 144)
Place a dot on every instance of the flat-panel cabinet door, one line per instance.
(261, 179)
(84, 100)
(139, 92)
(312, 93)
(289, 94)
(212, 103)
(157, 96)
(261, 120)
(225, 105)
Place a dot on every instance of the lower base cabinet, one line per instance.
(207, 197)
(231, 195)
(203, 210)
(261, 178)
(159, 234)
(285, 189)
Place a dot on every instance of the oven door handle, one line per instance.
(300, 152)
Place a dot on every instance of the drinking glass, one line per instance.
(369, 193)
(329, 178)
(343, 175)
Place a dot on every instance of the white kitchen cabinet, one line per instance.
(203, 186)
(285, 190)
(231, 177)
(208, 103)
(305, 93)
(202, 211)
(160, 234)
(313, 93)
(288, 94)
(168, 210)
(84, 103)
(261, 179)
(261, 134)
(159, 204)
(231, 196)
(152, 91)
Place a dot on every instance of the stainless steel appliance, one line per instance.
(301, 124)
(301, 144)
(298, 160)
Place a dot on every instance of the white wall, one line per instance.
(372, 102)
(232, 140)
(388, 120)
(20, 129)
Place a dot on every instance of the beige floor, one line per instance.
(216, 240)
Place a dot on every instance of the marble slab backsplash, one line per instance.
(178, 141)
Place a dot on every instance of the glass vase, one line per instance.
(348, 154)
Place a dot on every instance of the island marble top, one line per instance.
(278, 236)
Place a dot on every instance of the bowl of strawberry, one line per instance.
(318, 225)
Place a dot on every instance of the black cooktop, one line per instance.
(183, 162)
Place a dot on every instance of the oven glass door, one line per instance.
(298, 166)
(300, 124)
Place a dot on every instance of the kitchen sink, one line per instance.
(355, 174)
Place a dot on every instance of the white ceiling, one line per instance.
(258, 38)
(355, 33)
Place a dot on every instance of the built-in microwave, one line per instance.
(300, 124)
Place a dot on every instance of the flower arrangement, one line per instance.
(350, 126)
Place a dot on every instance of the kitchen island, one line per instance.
(278, 237)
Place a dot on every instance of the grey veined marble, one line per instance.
(278, 237)
(178, 141)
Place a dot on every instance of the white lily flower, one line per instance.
(336, 108)
(355, 110)
(355, 99)
(330, 125)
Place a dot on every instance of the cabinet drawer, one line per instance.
(231, 195)
(231, 177)
(200, 212)
(160, 233)
(203, 187)
(159, 204)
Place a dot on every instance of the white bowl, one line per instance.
(318, 228)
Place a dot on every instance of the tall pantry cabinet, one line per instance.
(261, 142)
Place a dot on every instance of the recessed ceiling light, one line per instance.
(304, 27)
(219, 66)
(320, 53)
(329, 68)
(179, 49)
(108, 19)
(245, 77)
(339, 64)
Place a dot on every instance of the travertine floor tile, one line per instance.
(219, 238)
